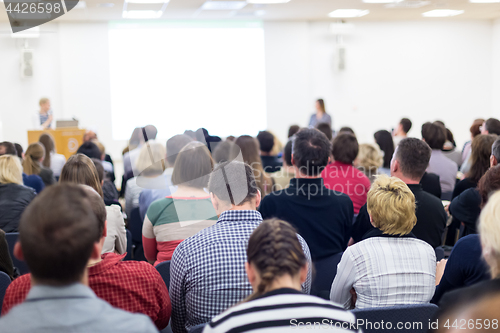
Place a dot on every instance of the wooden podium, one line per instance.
(67, 140)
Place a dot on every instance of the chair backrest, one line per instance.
(439, 253)
(325, 271)
(4, 284)
(404, 318)
(164, 269)
(11, 238)
(197, 329)
(135, 225)
(129, 246)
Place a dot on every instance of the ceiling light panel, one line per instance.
(442, 13)
(347, 13)
(142, 14)
(223, 5)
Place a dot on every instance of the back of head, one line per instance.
(413, 156)
(369, 157)
(287, 153)
(492, 126)
(149, 132)
(79, 169)
(11, 171)
(89, 136)
(8, 148)
(391, 206)
(223, 152)
(495, 149)
(32, 157)
(449, 137)
(57, 232)
(311, 151)
(406, 124)
(48, 142)
(480, 155)
(384, 140)
(174, 146)
(475, 129)
(346, 129)
(99, 168)
(345, 148)
(292, 130)
(90, 150)
(326, 129)
(489, 183)
(135, 138)
(101, 147)
(98, 207)
(233, 183)
(151, 160)
(193, 166)
(250, 148)
(274, 250)
(434, 134)
(19, 150)
(489, 231)
(266, 141)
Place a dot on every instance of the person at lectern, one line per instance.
(45, 113)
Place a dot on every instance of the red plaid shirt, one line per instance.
(134, 286)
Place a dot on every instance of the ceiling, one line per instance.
(310, 10)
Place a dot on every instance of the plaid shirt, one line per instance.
(208, 269)
(133, 286)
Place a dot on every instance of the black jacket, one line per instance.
(13, 200)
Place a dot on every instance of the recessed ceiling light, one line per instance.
(147, 1)
(223, 5)
(484, 1)
(442, 13)
(345, 13)
(142, 14)
(267, 1)
(382, 1)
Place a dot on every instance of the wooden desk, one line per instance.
(67, 140)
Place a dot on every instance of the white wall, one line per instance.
(425, 70)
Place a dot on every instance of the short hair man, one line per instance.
(270, 163)
(90, 150)
(342, 176)
(287, 172)
(7, 148)
(495, 153)
(134, 286)
(401, 131)
(434, 134)
(58, 235)
(322, 216)
(208, 269)
(174, 146)
(408, 164)
(491, 126)
(326, 129)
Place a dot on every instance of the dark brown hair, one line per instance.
(79, 169)
(233, 182)
(413, 156)
(57, 232)
(480, 156)
(434, 134)
(475, 129)
(193, 166)
(384, 140)
(31, 163)
(489, 183)
(48, 142)
(274, 250)
(311, 151)
(292, 130)
(326, 129)
(406, 124)
(321, 103)
(98, 207)
(345, 148)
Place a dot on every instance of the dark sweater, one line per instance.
(322, 216)
(431, 218)
(465, 267)
(271, 164)
(13, 200)
(466, 208)
(430, 184)
(6, 265)
(33, 181)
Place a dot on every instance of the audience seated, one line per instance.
(188, 210)
(326, 129)
(143, 135)
(346, 130)
(208, 269)
(150, 167)
(491, 126)
(489, 231)
(222, 153)
(249, 147)
(463, 268)
(401, 131)
(322, 216)
(390, 266)
(369, 159)
(450, 148)
(430, 183)
(475, 130)
(14, 196)
(133, 286)
(6, 265)
(292, 130)
(79, 169)
(52, 160)
(342, 176)
(7, 148)
(287, 172)
(59, 234)
(32, 163)
(109, 191)
(106, 164)
(276, 266)
(270, 163)
(384, 140)
(435, 136)
(410, 160)
(174, 146)
(90, 150)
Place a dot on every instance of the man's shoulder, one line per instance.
(426, 199)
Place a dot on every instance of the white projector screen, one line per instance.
(186, 75)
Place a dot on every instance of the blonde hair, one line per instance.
(369, 157)
(99, 145)
(43, 100)
(151, 159)
(34, 153)
(11, 170)
(391, 206)
(489, 231)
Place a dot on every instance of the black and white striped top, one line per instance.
(283, 310)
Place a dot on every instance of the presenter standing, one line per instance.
(320, 116)
(45, 114)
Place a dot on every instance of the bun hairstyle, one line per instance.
(274, 250)
(34, 153)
